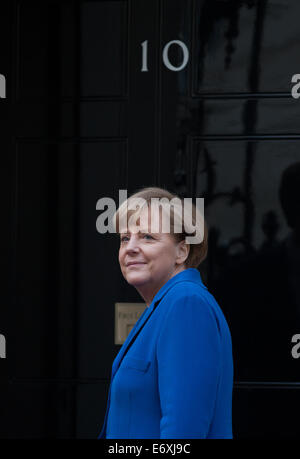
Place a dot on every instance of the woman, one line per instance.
(173, 376)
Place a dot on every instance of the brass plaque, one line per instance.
(126, 315)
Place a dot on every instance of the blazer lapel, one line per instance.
(133, 333)
(190, 274)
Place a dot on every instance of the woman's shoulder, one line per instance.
(188, 294)
(188, 289)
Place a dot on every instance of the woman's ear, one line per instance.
(183, 250)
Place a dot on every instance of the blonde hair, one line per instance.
(197, 251)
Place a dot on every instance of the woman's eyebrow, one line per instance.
(122, 233)
(144, 230)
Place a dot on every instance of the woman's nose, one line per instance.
(132, 244)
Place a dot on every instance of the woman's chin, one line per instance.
(136, 279)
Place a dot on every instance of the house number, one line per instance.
(165, 55)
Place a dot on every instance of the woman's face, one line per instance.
(148, 260)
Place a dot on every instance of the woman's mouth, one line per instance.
(133, 264)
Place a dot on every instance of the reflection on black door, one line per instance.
(191, 95)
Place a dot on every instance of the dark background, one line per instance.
(81, 121)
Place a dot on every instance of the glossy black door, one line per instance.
(230, 134)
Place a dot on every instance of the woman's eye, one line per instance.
(148, 236)
(124, 238)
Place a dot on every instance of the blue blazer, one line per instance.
(173, 376)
